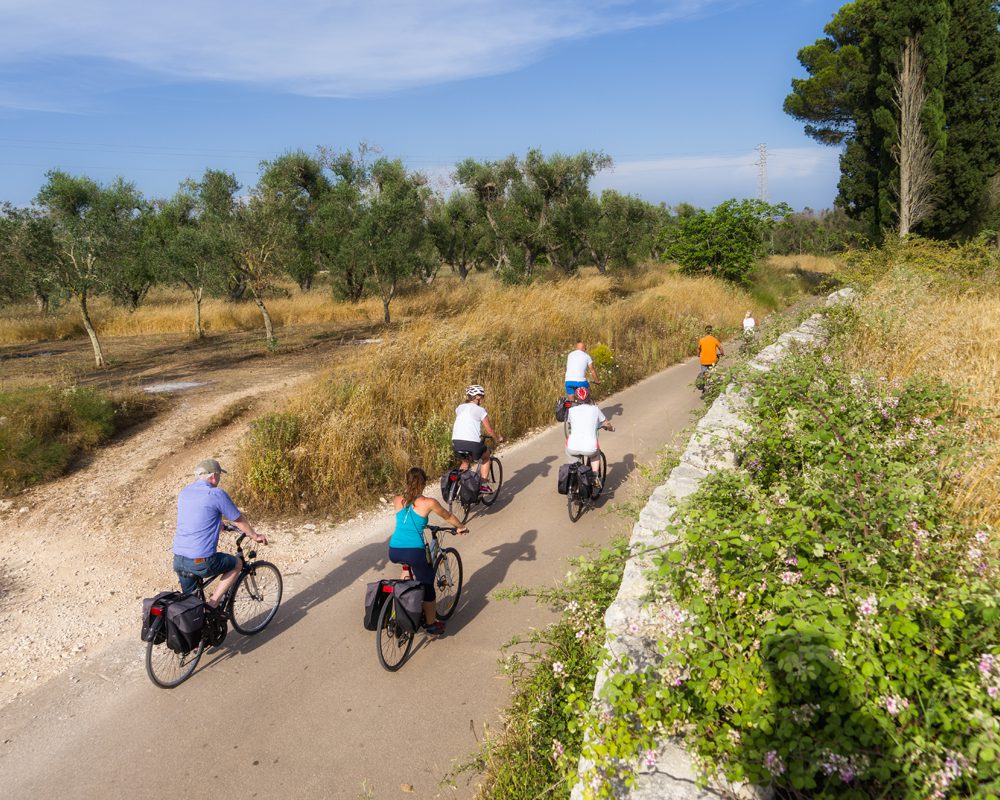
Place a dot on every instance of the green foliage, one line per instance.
(43, 429)
(833, 627)
(272, 437)
(822, 233)
(725, 242)
(848, 99)
(553, 673)
(970, 267)
(541, 207)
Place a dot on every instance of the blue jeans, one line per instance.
(215, 564)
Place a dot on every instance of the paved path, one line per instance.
(304, 710)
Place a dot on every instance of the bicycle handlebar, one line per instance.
(442, 529)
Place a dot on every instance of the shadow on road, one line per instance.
(354, 565)
(477, 588)
(521, 479)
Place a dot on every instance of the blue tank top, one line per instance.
(409, 529)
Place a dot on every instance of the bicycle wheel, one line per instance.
(574, 502)
(495, 479)
(447, 581)
(602, 473)
(392, 642)
(168, 669)
(255, 598)
(452, 498)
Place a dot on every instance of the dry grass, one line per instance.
(910, 325)
(172, 311)
(353, 432)
(827, 265)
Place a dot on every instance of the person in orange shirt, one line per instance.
(709, 351)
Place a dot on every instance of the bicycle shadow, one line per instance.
(477, 587)
(374, 556)
(618, 474)
(522, 478)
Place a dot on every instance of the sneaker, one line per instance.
(597, 483)
(437, 629)
(485, 489)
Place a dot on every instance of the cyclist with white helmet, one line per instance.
(466, 433)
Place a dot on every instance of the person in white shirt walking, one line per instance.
(578, 364)
(749, 325)
(584, 420)
(466, 433)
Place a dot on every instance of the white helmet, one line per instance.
(475, 391)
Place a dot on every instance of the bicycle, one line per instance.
(393, 640)
(494, 479)
(250, 604)
(706, 380)
(576, 502)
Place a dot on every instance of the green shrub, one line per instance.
(553, 672)
(43, 429)
(271, 438)
(833, 624)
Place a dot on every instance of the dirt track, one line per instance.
(79, 553)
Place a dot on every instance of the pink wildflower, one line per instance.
(773, 763)
(869, 606)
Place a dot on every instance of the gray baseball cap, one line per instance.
(208, 467)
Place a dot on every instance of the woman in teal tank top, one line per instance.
(406, 546)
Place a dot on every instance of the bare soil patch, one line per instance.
(80, 552)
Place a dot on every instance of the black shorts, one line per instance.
(416, 559)
(475, 448)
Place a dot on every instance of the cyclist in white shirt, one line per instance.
(578, 364)
(466, 433)
(585, 419)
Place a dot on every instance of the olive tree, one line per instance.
(96, 230)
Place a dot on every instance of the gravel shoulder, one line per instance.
(79, 553)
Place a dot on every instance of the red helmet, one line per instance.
(582, 393)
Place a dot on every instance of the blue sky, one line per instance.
(678, 92)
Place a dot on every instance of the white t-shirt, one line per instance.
(576, 365)
(749, 324)
(584, 420)
(468, 422)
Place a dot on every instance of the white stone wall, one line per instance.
(633, 624)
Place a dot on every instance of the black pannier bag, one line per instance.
(185, 622)
(409, 604)
(375, 597)
(470, 482)
(584, 479)
(562, 408)
(448, 483)
(160, 602)
(565, 471)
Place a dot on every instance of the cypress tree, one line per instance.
(848, 99)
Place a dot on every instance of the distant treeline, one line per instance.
(370, 224)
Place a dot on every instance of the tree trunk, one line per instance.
(91, 332)
(199, 332)
(913, 153)
(268, 327)
(385, 310)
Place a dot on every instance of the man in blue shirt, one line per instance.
(201, 507)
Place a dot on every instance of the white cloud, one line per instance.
(798, 175)
(317, 47)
